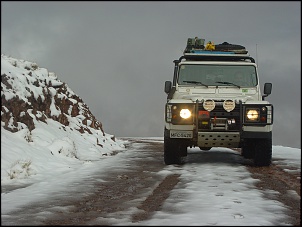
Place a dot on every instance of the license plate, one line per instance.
(181, 134)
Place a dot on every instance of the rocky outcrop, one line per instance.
(31, 94)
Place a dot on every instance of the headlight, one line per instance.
(185, 113)
(260, 115)
(182, 114)
(252, 114)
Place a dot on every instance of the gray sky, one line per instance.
(117, 55)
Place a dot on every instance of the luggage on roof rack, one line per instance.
(221, 51)
(225, 46)
(196, 45)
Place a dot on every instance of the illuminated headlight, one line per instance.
(258, 115)
(182, 114)
(185, 113)
(252, 114)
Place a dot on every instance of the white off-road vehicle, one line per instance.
(215, 100)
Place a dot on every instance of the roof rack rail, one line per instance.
(217, 56)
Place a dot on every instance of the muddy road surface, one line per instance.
(134, 191)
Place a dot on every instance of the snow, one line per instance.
(207, 194)
(202, 188)
(55, 158)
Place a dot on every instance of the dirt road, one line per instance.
(139, 186)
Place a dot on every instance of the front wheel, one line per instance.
(248, 149)
(263, 152)
(173, 152)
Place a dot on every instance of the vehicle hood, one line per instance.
(239, 94)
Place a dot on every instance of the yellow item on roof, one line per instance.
(210, 46)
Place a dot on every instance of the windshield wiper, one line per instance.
(195, 82)
(229, 83)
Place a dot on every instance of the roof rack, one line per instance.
(216, 56)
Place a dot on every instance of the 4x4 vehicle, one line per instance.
(215, 100)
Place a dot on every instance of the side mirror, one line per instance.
(267, 90)
(168, 86)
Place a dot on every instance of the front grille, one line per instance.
(220, 119)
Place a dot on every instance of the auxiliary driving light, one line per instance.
(229, 105)
(209, 105)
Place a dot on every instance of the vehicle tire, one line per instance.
(248, 149)
(183, 150)
(205, 148)
(263, 152)
(173, 152)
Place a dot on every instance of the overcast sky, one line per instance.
(117, 55)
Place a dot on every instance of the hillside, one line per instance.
(40, 111)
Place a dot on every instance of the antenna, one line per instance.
(257, 56)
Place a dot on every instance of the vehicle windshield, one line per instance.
(217, 75)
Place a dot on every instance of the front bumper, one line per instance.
(215, 139)
(218, 139)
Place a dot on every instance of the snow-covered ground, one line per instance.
(207, 194)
